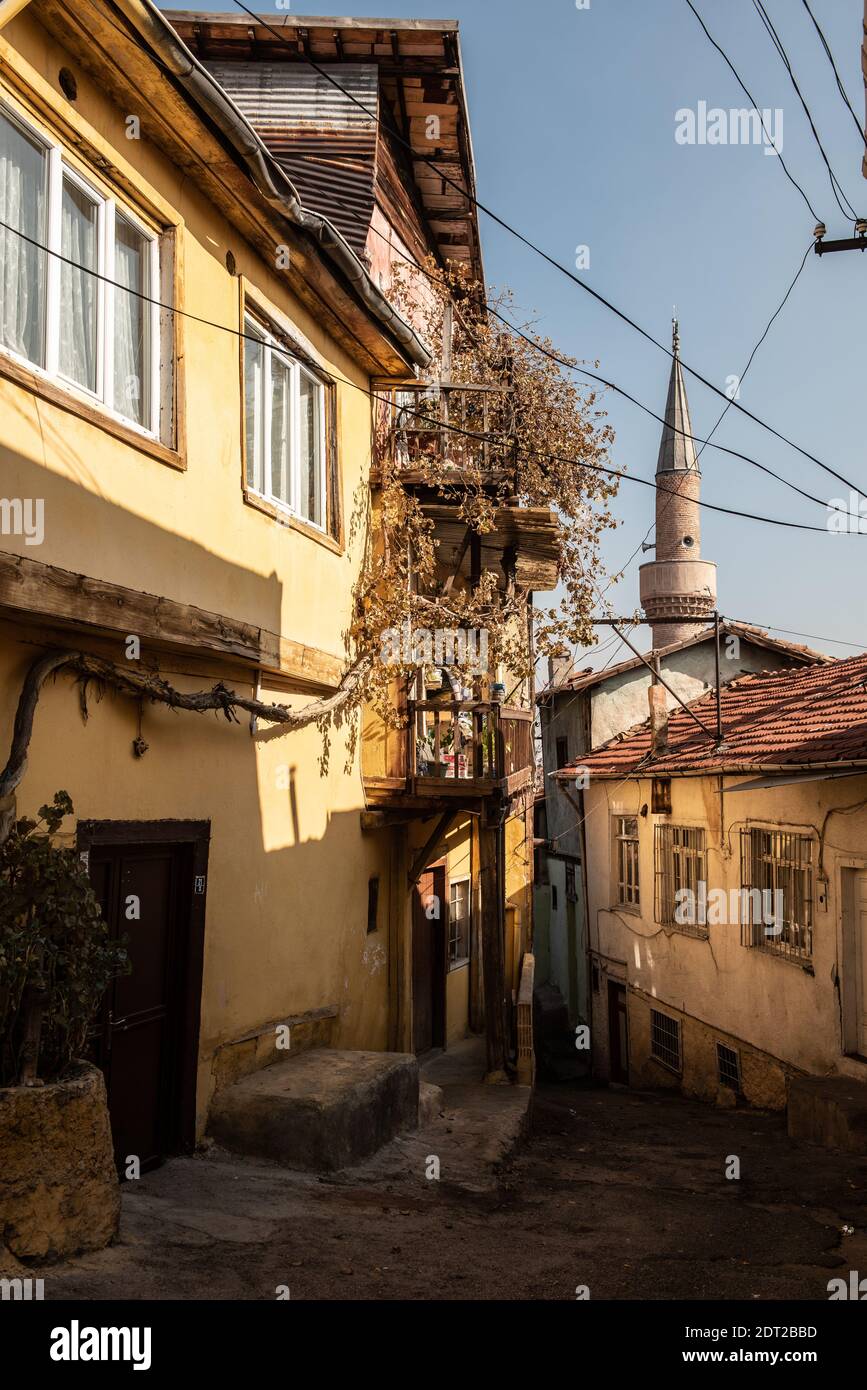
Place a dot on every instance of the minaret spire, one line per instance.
(678, 584)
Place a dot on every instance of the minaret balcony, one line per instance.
(671, 589)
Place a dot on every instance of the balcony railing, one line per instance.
(454, 747)
(448, 426)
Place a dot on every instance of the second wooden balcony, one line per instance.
(449, 752)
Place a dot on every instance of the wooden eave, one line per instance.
(120, 64)
(427, 796)
(533, 532)
(32, 591)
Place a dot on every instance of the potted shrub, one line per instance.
(58, 1187)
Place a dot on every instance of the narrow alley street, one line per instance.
(623, 1192)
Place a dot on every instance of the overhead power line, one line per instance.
(768, 327)
(482, 437)
(619, 390)
(526, 241)
(721, 417)
(836, 189)
(842, 90)
(811, 636)
(727, 60)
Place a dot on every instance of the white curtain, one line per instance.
(22, 265)
(310, 501)
(281, 390)
(130, 376)
(78, 289)
(254, 356)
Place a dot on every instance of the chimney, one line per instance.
(559, 667)
(658, 720)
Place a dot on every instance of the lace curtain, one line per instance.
(78, 290)
(130, 273)
(22, 265)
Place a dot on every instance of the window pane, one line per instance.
(281, 425)
(254, 366)
(23, 203)
(310, 448)
(131, 320)
(78, 289)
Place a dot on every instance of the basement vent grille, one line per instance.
(665, 1040)
(728, 1067)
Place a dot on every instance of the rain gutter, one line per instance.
(269, 178)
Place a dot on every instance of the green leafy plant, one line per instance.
(56, 958)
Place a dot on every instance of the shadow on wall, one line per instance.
(88, 534)
(286, 917)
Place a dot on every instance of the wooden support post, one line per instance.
(399, 947)
(493, 970)
(432, 844)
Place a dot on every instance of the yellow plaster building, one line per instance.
(186, 359)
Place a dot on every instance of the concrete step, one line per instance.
(430, 1103)
(828, 1110)
(321, 1110)
(473, 1135)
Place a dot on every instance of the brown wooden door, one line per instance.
(429, 935)
(144, 891)
(618, 1033)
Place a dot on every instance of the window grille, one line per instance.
(776, 900)
(728, 1067)
(665, 1040)
(626, 839)
(680, 863)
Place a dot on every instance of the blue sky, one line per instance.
(573, 121)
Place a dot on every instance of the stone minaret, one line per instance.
(678, 584)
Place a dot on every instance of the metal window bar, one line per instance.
(680, 862)
(665, 1040)
(628, 893)
(776, 908)
(728, 1067)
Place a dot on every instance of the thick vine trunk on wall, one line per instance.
(144, 685)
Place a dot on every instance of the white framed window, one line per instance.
(77, 270)
(626, 885)
(459, 922)
(284, 427)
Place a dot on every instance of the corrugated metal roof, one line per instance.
(322, 137)
(420, 71)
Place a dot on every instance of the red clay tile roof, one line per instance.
(800, 718)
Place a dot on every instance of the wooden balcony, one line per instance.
(448, 427)
(415, 439)
(454, 752)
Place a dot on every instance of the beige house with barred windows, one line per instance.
(727, 890)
